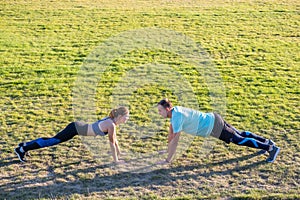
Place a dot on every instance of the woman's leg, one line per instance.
(66, 134)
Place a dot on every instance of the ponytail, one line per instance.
(112, 113)
(121, 111)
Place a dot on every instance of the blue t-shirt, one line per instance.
(192, 121)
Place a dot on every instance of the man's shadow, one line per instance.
(160, 176)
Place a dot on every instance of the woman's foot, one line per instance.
(20, 154)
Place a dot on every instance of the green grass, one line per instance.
(253, 44)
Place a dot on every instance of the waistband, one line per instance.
(218, 126)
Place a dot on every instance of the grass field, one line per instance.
(254, 45)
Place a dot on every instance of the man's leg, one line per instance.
(249, 134)
(250, 142)
(231, 134)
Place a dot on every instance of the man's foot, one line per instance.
(269, 142)
(273, 154)
(20, 154)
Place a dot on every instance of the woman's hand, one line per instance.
(120, 162)
(163, 162)
(121, 154)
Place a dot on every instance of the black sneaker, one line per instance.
(23, 144)
(269, 142)
(273, 154)
(20, 154)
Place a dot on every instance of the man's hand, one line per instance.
(162, 152)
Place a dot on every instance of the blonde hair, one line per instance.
(121, 111)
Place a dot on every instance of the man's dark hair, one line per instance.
(165, 103)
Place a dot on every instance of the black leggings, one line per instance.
(66, 134)
(245, 138)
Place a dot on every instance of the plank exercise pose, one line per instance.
(209, 124)
(105, 126)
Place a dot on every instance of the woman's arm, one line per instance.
(113, 142)
(118, 149)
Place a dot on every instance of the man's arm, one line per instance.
(171, 133)
(173, 139)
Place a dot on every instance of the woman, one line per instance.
(209, 124)
(105, 126)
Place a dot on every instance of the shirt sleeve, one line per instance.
(177, 122)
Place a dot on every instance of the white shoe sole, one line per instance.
(276, 154)
(19, 156)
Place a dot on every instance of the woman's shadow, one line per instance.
(160, 176)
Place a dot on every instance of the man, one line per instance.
(208, 124)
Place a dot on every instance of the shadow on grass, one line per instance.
(8, 161)
(56, 188)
